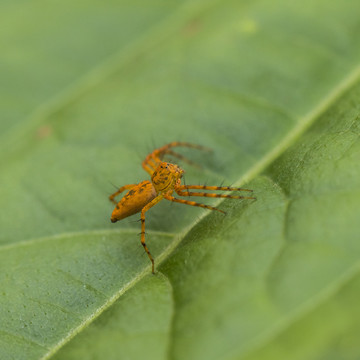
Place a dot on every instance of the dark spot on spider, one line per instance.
(131, 192)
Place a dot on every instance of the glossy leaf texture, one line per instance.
(89, 88)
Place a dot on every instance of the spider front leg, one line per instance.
(153, 159)
(142, 218)
(191, 203)
(182, 190)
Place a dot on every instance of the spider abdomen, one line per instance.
(134, 200)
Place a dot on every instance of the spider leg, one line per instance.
(151, 160)
(180, 190)
(192, 203)
(204, 187)
(116, 193)
(186, 144)
(147, 167)
(164, 148)
(183, 158)
(212, 195)
(150, 163)
(142, 219)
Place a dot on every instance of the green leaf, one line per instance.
(88, 89)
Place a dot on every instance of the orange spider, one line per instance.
(165, 179)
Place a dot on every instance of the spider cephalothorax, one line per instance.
(166, 177)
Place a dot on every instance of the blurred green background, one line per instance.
(88, 88)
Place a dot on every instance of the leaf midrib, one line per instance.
(97, 313)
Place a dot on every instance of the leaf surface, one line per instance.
(90, 89)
